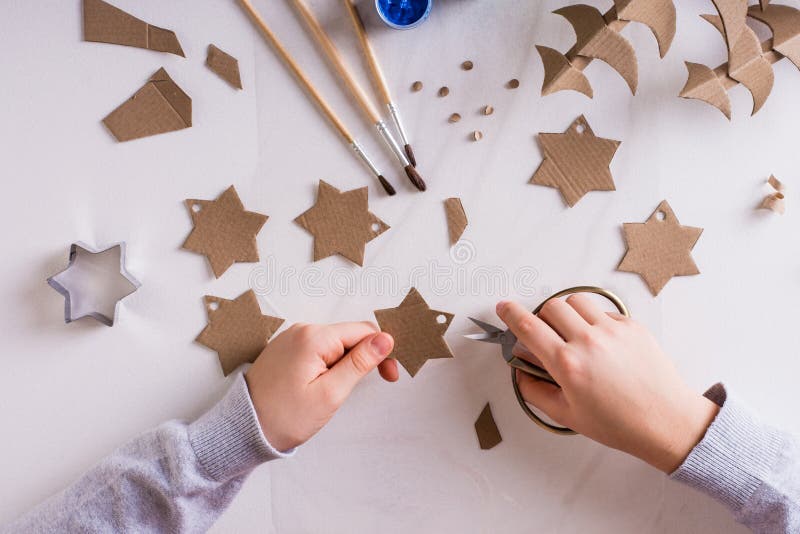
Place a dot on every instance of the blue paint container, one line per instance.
(403, 14)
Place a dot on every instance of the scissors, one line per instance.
(507, 341)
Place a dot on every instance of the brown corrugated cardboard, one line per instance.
(598, 37)
(104, 23)
(486, 429)
(704, 84)
(784, 21)
(456, 219)
(223, 231)
(418, 331)
(160, 106)
(576, 161)
(237, 331)
(776, 201)
(341, 223)
(660, 248)
(224, 65)
(733, 14)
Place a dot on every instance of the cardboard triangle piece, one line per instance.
(456, 219)
(486, 429)
(160, 106)
(224, 65)
(237, 331)
(341, 223)
(104, 23)
(224, 231)
(576, 162)
(418, 331)
(660, 248)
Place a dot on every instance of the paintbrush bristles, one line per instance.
(410, 154)
(415, 178)
(387, 186)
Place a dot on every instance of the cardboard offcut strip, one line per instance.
(104, 23)
(224, 232)
(486, 429)
(576, 161)
(237, 331)
(418, 331)
(597, 37)
(341, 223)
(456, 219)
(224, 65)
(160, 106)
(776, 201)
(660, 248)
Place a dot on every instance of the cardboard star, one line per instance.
(660, 248)
(223, 231)
(341, 223)
(237, 331)
(94, 283)
(576, 162)
(418, 331)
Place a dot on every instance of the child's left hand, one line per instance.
(307, 372)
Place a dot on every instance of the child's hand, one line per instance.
(617, 386)
(306, 373)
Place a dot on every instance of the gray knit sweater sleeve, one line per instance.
(750, 467)
(178, 477)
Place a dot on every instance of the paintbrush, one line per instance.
(378, 79)
(300, 76)
(367, 107)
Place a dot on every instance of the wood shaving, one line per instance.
(454, 118)
(416, 87)
(488, 110)
(444, 91)
(513, 84)
(467, 65)
(477, 135)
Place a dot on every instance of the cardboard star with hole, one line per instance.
(660, 248)
(223, 231)
(341, 223)
(237, 331)
(576, 162)
(418, 331)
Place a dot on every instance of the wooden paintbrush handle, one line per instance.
(336, 61)
(378, 79)
(296, 70)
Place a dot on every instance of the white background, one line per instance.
(403, 457)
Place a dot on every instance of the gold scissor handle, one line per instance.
(543, 375)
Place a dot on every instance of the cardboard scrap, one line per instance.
(341, 223)
(94, 282)
(576, 162)
(456, 219)
(237, 331)
(486, 429)
(418, 331)
(104, 23)
(776, 201)
(598, 37)
(224, 65)
(750, 62)
(223, 231)
(660, 248)
(732, 14)
(160, 106)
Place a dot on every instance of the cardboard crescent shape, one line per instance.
(784, 21)
(560, 74)
(659, 248)
(733, 14)
(658, 15)
(703, 84)
(418, 331)
(747, 65)
(596, 40)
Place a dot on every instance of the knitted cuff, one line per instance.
(734, 456)
(228, 440)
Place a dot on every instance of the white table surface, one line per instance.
(397, 458)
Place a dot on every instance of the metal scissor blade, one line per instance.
(485, 337)
(486, 327)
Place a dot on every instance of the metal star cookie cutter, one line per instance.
(68, 297)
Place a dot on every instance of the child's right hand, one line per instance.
(617, 386)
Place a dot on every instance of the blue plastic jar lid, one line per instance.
(403, 14)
